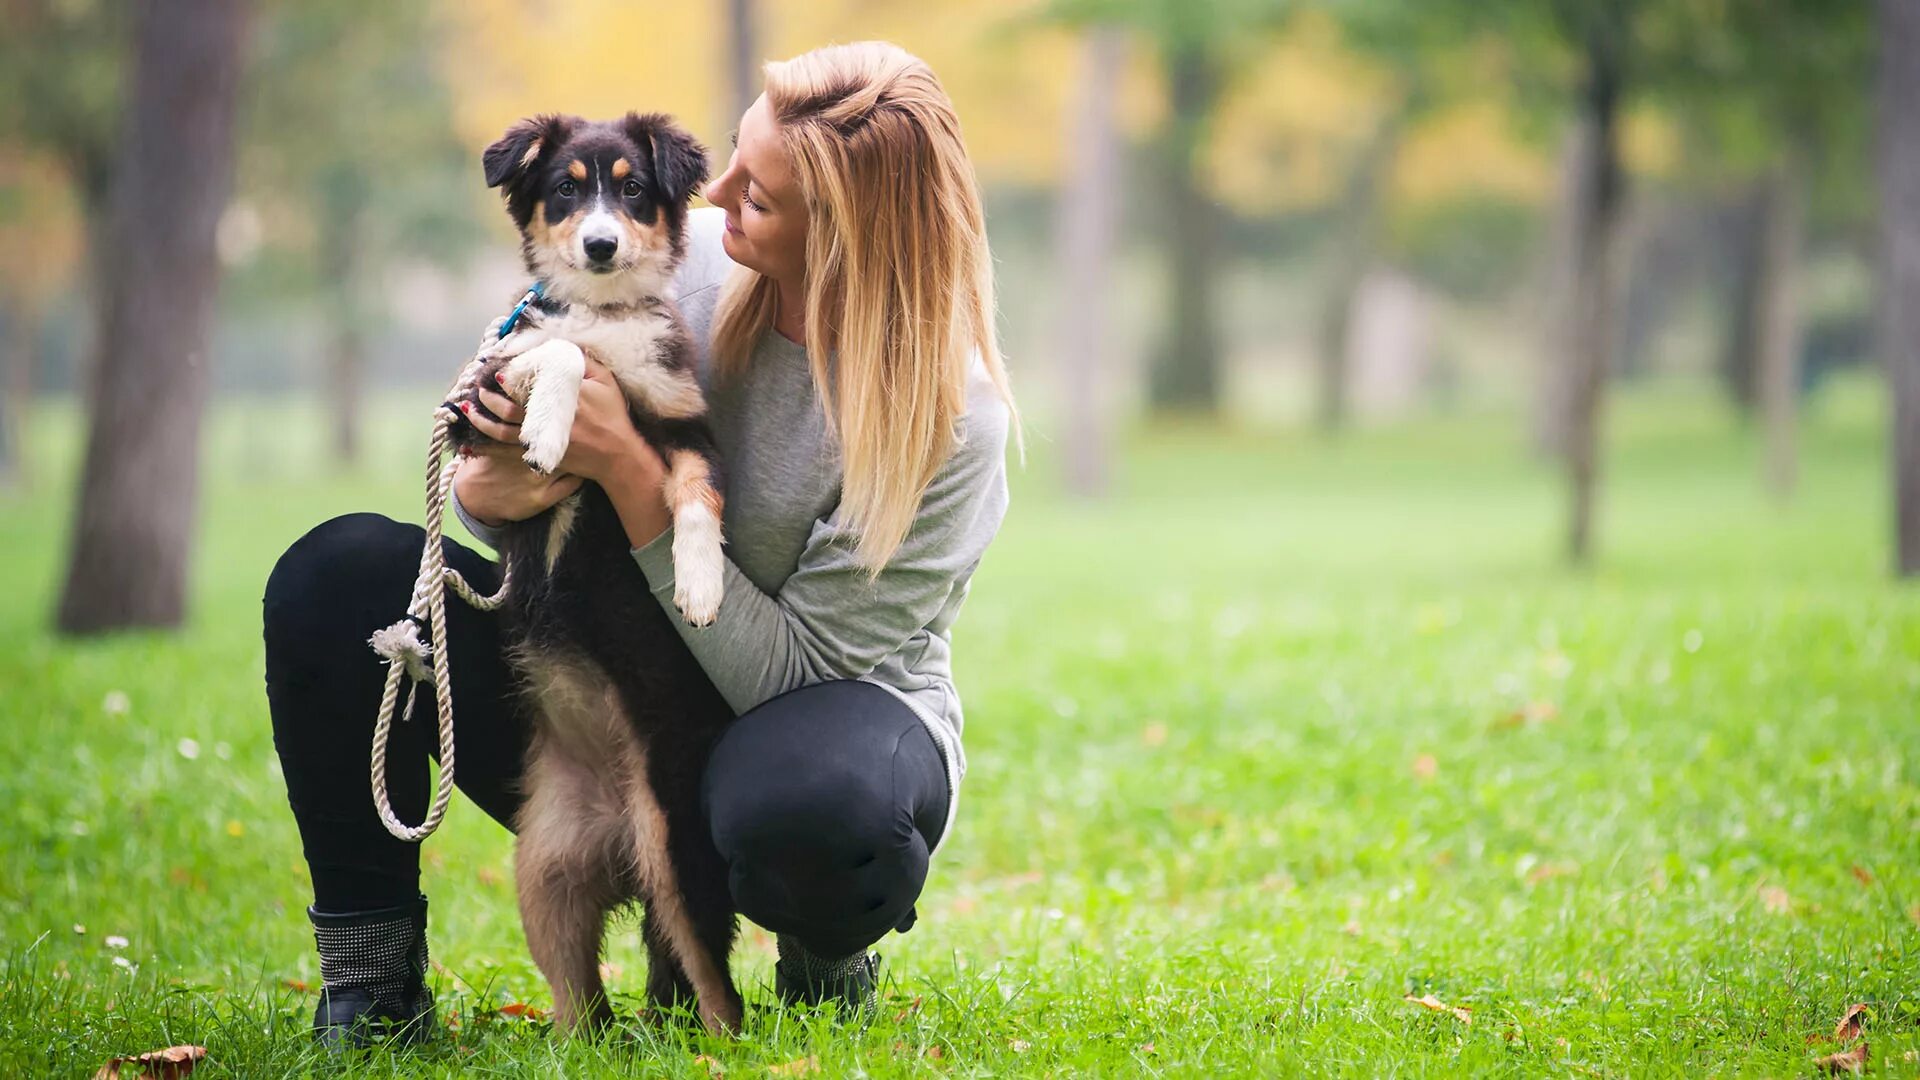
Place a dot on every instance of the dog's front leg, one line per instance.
(699, 581)
(546, 380)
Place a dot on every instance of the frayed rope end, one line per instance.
(401, 641)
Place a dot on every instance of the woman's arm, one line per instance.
(831, 620)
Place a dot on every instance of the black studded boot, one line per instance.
(374, 966)
(851, 982)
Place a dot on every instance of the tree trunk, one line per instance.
(19, 349)
(1777, 329)
(1595, 289)
(134, 520)
(1737, 361)
(743, 59)
(345, 200)
(1559, 334)
(1356, 236)
(1899, 167)
(1185, 376)
(1087, 221)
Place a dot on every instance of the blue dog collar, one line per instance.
(534, 292)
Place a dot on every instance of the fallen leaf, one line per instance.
(1533, 712)
(522, 1009)
(1146, 1048)
(1352, 928)
(805, 1066)
(1775, 899)
(714, 1068)
(297, 984)
(168, 1064)
(1428, 1001)
(1913, 914)
(1852, 1060)
(1426, 767)
(1154, 735)
(611, 972)
(1848, 1029)
(935, 1052)
(912, 1007)
(1863, 876)
(488, 876)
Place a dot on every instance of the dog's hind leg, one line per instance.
(570, 836)
(669, 910)
(667, 985)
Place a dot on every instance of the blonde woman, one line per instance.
(840, 291)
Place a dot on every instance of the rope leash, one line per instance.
(400, 643)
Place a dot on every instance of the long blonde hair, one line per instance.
(897, 271)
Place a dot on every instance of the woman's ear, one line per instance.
(679, 161)
(512, 160)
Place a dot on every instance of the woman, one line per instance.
(840, 291)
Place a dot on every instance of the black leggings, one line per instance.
(824, 801)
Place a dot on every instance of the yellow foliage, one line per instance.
(1286, 132)
(1469, 149)
(41, 239)
(1649, 142)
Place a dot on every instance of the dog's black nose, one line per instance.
(601, 248)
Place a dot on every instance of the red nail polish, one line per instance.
(466, 406)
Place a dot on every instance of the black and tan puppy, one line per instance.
(624, 721)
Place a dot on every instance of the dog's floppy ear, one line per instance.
(679, 161)
(511, 161)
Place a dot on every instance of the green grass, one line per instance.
(1244, 776)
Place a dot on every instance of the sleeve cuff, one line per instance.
(486, 534)
(656, 561)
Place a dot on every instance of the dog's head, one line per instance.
(601, 205)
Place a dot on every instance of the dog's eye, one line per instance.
(567, 189)
(632, 189)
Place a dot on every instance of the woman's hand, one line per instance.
(496, 487)
(603, 446)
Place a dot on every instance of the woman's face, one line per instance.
(766, 216)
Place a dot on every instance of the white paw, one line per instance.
(699, 581)
(545, 445)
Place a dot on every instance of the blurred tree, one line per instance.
(60, 77)
(1899, 174)
(743, 59)
(1203, 46)
(1087, 226)
(171, 177)
(1774, 88)
(40, 249)
(351, 135)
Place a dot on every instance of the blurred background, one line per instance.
(265, 222)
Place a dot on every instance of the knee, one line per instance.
(824, 852)
(342, 574)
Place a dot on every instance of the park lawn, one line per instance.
(1280, 735)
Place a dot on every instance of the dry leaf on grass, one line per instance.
(1850, 1025)
(1548, 871)
(1863, 875)
(521, 1008)
(714, 1068)
(1852, 1060)
(1776, 899)
(1426, 767)
(1428, 1001)
(936, 1052)
(1154, 735)
(912, 1007)
(168, 1064)
(805, 1066)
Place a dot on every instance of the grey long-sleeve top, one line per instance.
(799, 607)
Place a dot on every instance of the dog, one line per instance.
(622, 727)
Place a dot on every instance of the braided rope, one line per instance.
(400, 643)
